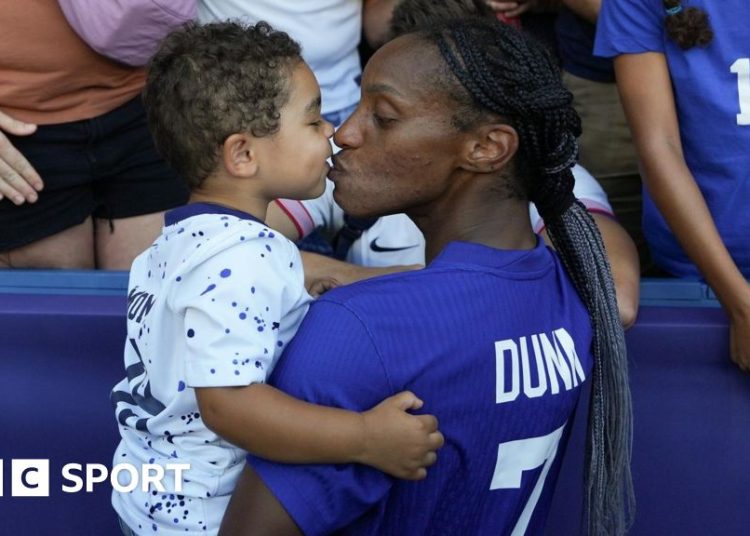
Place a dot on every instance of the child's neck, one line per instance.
(254, 206)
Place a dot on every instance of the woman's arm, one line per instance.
(324, 273)
(623, 259)
(254, 511)
(274, 425)
(626, 270)
(646, 92)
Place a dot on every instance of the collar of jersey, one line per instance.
(509, 260)
(196, 209)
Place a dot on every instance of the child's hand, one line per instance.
(398, 443)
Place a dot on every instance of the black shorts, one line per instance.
(107, 167)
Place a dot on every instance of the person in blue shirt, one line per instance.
(460, 127)
(683, 70)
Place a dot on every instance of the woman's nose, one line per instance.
(349, 134)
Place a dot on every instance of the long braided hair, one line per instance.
(508, 75)
(687, 27)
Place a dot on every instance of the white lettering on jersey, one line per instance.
(554, 359)
(741, 68)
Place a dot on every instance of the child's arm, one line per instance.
(274, 425)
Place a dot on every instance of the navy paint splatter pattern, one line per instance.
(212, 304)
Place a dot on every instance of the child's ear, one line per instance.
(489, 147)
(239, 155)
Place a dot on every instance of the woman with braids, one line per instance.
(460, 127)
(683, 71)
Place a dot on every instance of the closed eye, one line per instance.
(383, 122)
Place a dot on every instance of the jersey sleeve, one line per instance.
(312, 214)
(629, 27)
(342, 369)
(234, 303)
(588, 191)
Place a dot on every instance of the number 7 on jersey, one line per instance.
(515, 457)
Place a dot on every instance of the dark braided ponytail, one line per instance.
(687, 27)
(508, 75)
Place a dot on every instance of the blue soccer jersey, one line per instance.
(497, 344)
(712, 95)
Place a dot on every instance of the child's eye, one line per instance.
(317, 123)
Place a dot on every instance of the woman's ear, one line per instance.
(239, 157)
(490, 147)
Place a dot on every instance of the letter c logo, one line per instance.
(26, 483)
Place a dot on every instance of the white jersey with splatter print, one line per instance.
(211, 303)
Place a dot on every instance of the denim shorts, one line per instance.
(106, 167)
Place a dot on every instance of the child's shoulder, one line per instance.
(214, 233)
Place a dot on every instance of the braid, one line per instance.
(687, 27)
(510, 76)
(609, 487)
(411, 15)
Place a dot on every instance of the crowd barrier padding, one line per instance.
(61, 342)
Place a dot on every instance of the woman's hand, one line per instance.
(739, 329)
(19, 182)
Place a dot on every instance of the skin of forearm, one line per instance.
(623, 259)
(689, 219)
(268, 423)
(626, 271)
(320, 267)
(587, 9)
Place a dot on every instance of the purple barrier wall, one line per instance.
(691, 454)
(60, 354)
(59, 358)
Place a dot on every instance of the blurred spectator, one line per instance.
(80, 180)
(684, 76)
(606, 147)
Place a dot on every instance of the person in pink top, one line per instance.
(81, 184)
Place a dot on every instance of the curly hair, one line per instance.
(688, 27)
(508, 75)
(207, 82)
